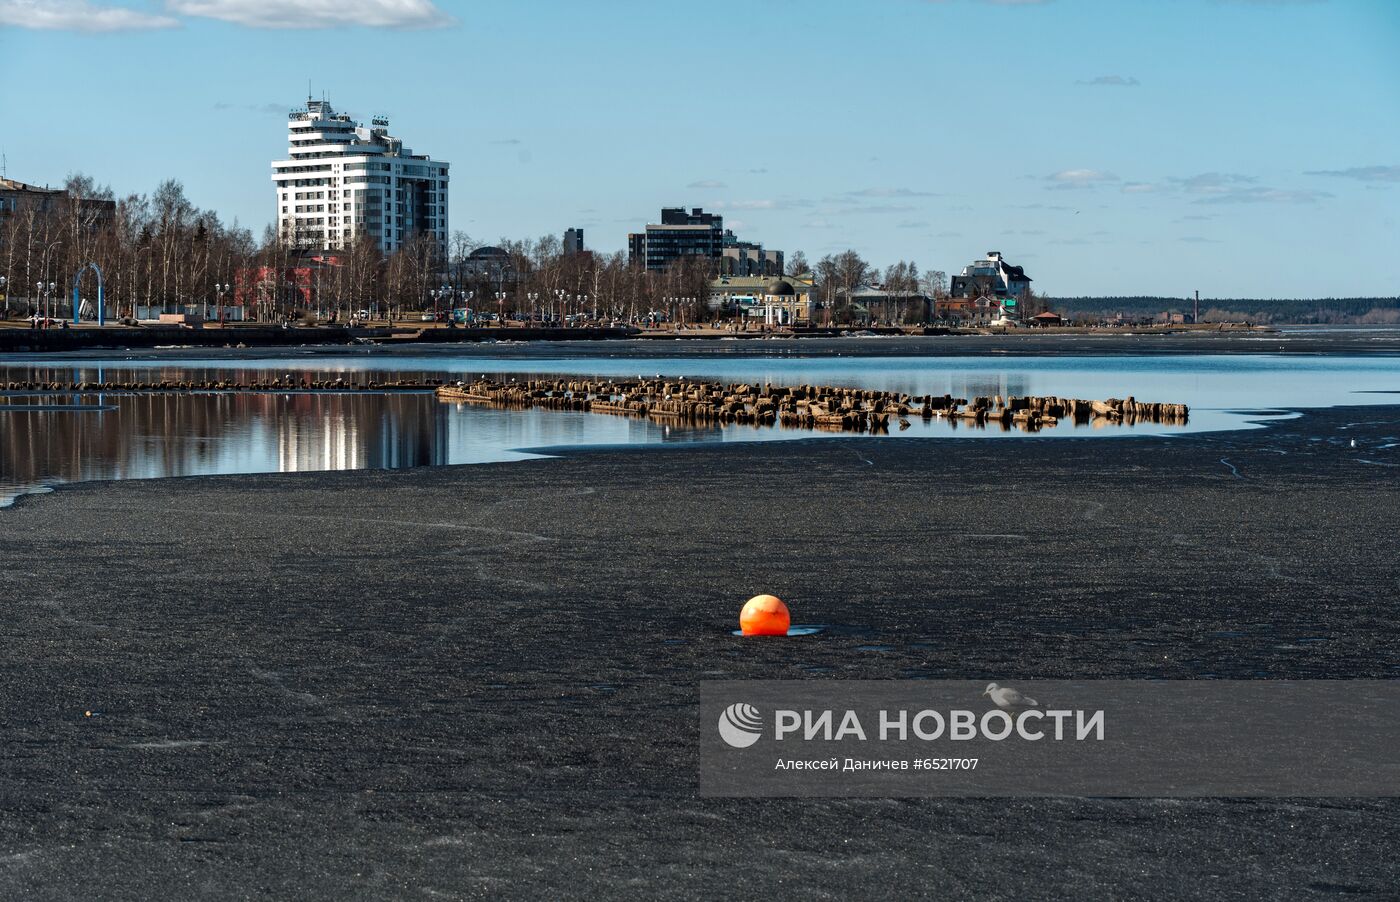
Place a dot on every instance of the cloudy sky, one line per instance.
(1240, 147)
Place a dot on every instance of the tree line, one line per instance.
(159, 252)
(1362, 311)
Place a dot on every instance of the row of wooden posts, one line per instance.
(805, 406)
(700, 402)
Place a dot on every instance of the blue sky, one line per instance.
(1240, 147)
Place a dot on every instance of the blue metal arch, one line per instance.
(77, 299)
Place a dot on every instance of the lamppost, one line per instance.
(534, 297)
(3, 282)
(46, 292)
(500, 309)
(219, 292)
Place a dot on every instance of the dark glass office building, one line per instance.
(679, 234)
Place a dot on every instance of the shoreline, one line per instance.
(382, 682)
(1378, 342)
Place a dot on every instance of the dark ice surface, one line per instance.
(458, 682)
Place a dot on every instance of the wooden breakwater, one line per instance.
(824, 407)
(835, 408)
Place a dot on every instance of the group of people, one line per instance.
(40, 321)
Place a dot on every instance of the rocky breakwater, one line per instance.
(825, 407)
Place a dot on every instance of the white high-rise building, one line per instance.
(342, 179)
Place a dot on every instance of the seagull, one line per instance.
(1006, 697)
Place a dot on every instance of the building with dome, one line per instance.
(786, 301)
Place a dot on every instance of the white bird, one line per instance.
(1006, 697)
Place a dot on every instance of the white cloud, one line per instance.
(1225, 188)
(1258, 194)
(889, 192)
(1363, 173)
(707, 183)
(78, 15)
(877, 209)
(786, 203)
(1235, 188)
(1113, 81)
(745, 205)
(1080, 178)
(1212, 182)
(316, 13)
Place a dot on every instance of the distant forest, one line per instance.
(1254, 310)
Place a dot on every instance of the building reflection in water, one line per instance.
(50, 439)
(53, 439)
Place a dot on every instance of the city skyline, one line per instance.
(1231, 147)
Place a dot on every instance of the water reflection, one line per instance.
(48, 438)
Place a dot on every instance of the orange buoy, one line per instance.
(764, 615)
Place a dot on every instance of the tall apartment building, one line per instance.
(573, 241)
(342, 179)
(679, 234)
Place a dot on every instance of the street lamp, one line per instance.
(3, 281)
(219, 292)
(45, 291)
(500, 309)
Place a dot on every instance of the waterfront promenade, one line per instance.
(171, 341)
(473, 681)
